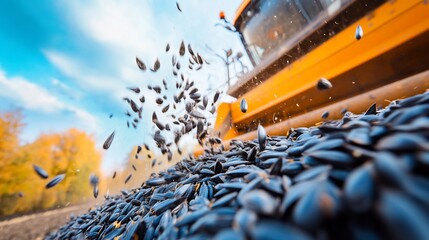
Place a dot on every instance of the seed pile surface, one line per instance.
(362, 177)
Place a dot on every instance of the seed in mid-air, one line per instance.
(167, 48)
(359, 32)
(109, 140)
(55, 180)
(40, 171)
(323, 84)
(182, 49)
(140, 64)
(134, 89)
(128, 178)
(93, 180)
(156, 66)
(216, 96)
(134, 106)
(325, 114)
(178, 7)
(95, 191)
(165, 109)
(262, 137)
(243, 105)
(159, 101)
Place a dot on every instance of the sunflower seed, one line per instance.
(55, 180)
(109, 141)
(40, 171)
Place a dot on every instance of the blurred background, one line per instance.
(65, 67)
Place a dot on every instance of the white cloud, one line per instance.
(86, 118)
(31, 96)
(122, 25)
(75, 69)
(64, 89)
(28, 95)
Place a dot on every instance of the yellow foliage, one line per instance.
(72, 152)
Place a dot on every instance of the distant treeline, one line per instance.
(21, 189)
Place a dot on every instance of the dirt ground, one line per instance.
(36, 226)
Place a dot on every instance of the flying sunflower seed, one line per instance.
(262, 137)
(165, 109)
(243, 105)
(40, 171)
(134, 167)
(156, 66)
(114, 175)
(109, 140)
(200, 59)
(154, 117)
(159, 125)
(325, 115)
(134, 89)
(323, 84)
(140, 64)
(188, 107)
(167, 48)
(93, 180)
(216, 96)
(359, 32)
(197, 114)
(95, 191)
(157, 89)
(182, 49)
(55, 180)
(178, 7)
(134, 106)
(173, 60)
(213, 110)
(159, 101)
(128, 178)
(205, 101)
(200, 127)
(193, 91)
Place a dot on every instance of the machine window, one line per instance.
(268, 24)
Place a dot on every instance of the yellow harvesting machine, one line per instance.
(294, 43)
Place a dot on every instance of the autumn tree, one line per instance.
(72, 152)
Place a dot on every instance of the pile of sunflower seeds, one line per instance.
(362, 177)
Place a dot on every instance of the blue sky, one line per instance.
(67, 63)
